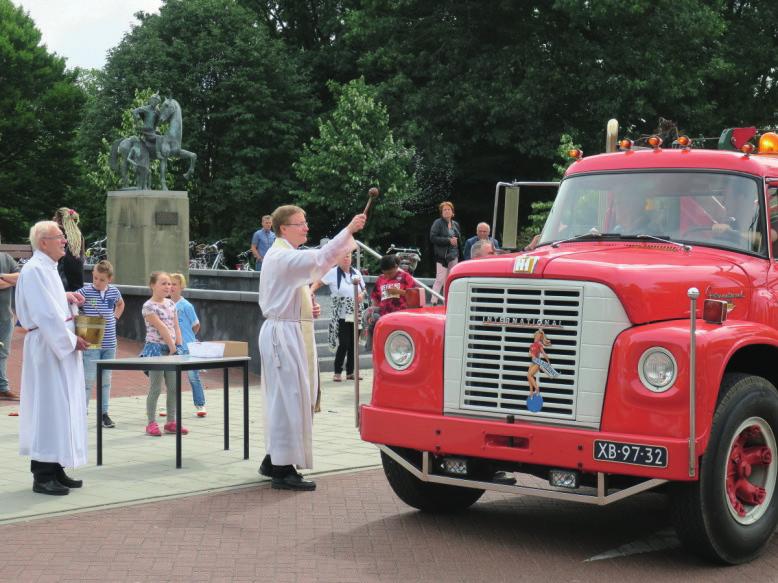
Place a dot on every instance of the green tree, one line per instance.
(40, 104)
(246, 102)
(356, 149)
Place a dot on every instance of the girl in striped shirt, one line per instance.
(104, 300)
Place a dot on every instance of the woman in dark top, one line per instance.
(446, 238)
(71, 266)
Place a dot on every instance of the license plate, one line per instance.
(630, 453)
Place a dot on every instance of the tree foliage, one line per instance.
(40, 104)
(481, 91)
(246, 102)
(355, 150)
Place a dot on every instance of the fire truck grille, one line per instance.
(500, 328)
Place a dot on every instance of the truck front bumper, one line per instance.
(555, 447)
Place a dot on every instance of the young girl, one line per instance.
(190, 326)
(162, 337)
(104, 300)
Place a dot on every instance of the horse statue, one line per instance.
(138, 152)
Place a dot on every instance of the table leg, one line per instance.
(226, 372)
(99, 415)
(178, 418)
(245, 410)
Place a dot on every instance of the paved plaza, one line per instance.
(215, 519)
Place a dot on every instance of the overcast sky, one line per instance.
(82, 31)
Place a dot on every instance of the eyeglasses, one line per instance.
(60, 237)
(303, 224)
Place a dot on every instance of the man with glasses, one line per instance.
(52, 412)
(287, 346)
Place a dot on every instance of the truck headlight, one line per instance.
(399, 350)
(657, 369)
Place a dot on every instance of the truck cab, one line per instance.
(634, 347)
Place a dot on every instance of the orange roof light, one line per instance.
(654, 141)
(747, 148)
(575, 153)
(768, 143)
(684, 141)
(625, 144)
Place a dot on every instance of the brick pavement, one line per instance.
(352, 529)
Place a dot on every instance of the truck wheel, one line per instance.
(730, 513)
(426, 496)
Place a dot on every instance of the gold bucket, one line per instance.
(91, 329)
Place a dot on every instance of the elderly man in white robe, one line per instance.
(287, 344)
(52, 411)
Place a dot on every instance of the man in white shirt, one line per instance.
(52, 411)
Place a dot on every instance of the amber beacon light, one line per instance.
(684, 141)
(575, 153)
(654, 141)
(768, 143)
(625, 144)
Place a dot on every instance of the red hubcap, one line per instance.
(748, 451)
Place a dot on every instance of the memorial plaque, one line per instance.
(165, 218)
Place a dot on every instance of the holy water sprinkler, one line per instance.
(373, 194)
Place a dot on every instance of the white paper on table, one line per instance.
(206, 349)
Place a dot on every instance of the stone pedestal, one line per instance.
(148, 230)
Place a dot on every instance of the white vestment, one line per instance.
(289, 389)
(52, 411)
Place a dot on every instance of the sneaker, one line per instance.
(162, 412)
(9, 395)
(200, 411)
(153, 429)
(107, 422)
(170, 427)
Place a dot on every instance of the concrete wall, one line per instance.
(224, 315)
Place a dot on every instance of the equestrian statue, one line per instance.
(139, 151)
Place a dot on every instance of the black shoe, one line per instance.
(504, 478)
(266, 467)
(107, 422)
(67, 481)
(52, 488)
(293, 481)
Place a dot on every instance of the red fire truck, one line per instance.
(635, 347)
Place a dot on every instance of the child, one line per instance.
(388, 294)
(162, 336)
(104, 300)
(189, 325)
(389, 291)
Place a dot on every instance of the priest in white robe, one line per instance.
(287, 345)
(52, 410)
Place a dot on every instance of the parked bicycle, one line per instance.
(214, 256)
(408, 257)
(244, 261)
(96, 252)
(197, 255)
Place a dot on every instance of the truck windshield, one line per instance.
(717, 209)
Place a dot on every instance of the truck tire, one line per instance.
(730, 513)
(425, 496)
